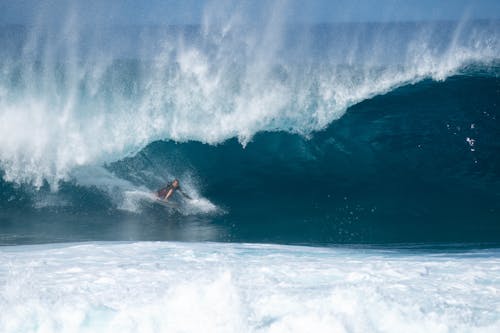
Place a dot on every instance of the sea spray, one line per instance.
(80, 93)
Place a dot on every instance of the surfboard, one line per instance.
(167, 204)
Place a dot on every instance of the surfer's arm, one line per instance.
(184, 194)
(169, 194)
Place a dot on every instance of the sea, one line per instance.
(344, 177)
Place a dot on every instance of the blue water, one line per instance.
(396, 168)
(344, 177)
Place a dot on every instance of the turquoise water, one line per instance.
(397, 168)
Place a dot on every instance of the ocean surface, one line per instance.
(344, 177)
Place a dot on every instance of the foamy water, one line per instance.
(193, 287)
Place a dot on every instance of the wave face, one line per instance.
(76, 94)
(172, 287)
(418, 164)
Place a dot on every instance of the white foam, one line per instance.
(127, 196)
(200, 206)
(175, 287)
(135, 199)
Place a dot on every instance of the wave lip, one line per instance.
(245, 288)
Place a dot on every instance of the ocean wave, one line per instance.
(71, 99)
(418, 164)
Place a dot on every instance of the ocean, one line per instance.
(344, 177)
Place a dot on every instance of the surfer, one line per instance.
(166, 192)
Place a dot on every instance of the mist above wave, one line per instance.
(75, 95)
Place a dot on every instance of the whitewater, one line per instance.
(214, 287)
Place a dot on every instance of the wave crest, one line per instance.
(71, 96)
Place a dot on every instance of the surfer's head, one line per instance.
(175, 183)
